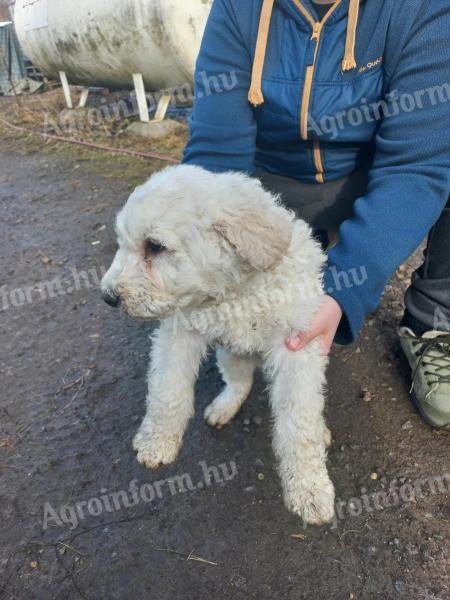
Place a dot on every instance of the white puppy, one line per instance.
(219, 261)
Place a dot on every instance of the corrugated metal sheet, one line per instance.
(12, 67)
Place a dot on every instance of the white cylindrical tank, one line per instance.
(103, 42)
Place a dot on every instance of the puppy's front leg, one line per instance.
(300, 433)
(174, 362)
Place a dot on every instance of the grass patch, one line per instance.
(34, 112)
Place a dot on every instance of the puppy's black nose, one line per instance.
(110, 298)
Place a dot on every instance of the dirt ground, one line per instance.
(72, 394)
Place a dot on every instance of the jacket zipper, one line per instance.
(311, 59)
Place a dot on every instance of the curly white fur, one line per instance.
(238, 271)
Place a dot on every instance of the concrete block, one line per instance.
(154, 130)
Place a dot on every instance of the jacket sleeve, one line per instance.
(222, 125)
(409, 182)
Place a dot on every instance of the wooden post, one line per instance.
(162, 107)
(139, 87)
(66, 89)
(83, 97)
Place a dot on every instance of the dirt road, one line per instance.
(80, 518)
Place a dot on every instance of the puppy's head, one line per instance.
(188, 236)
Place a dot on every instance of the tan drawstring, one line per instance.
(255, 95)
(349, 61)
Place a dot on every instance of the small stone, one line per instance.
(34, 564)
(425, 554)
(366, 395)
(400, 586)
(372, 550)
(407, 425)
(374, 476)
(246, 422)
(257, 420)
(246, 429)
(46, 260)
(250, 488)
(411, 549)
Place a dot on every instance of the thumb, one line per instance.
(298, 341)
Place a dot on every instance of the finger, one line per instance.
(298, 342)
(327, 343)
(326, 347)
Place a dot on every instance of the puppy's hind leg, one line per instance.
(300, 433)
(237, 373)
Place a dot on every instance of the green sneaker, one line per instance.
(429, 359)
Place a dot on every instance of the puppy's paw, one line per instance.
(154, 449)
(221, 411)
(310, 498)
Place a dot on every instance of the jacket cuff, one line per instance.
(335, 285)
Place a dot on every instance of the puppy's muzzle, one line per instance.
(110, 297)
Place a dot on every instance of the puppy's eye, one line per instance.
(152, 248)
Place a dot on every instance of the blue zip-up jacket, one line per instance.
(321, 121)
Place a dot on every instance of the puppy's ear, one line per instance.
(260, 235)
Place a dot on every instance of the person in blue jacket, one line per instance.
(343, 108)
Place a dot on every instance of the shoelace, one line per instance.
(441, 346)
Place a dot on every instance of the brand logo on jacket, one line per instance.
(370, 65)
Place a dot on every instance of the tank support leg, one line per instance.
(66, 89)
(83, 97)
(141, 98)
(161, 109)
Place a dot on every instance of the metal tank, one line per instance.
(105, 42)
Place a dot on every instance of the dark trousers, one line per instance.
(327, 205)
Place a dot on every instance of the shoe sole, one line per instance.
(424, 415)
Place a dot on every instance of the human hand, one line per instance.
(324, 325)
